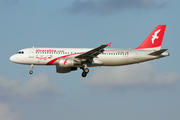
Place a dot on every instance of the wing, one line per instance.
(89, 55)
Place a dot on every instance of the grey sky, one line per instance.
(105, 7)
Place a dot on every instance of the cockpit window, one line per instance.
(20, 52)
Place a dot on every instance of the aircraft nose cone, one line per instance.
(12, 58)
(16, 59)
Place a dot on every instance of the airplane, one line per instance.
(70, 59)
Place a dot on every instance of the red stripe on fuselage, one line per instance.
(52, 61)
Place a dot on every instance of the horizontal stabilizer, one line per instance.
(159, 52)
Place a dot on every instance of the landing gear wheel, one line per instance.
(84, 74)
(86, 70)
(30, 72)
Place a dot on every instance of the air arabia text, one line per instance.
(50, 50)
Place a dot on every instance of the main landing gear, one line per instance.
(31, 71)
(85, 72)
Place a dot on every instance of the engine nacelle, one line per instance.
(66, 62)
(65, 69)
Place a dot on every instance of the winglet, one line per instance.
(109, 44)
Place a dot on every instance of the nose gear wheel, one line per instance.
(31, 71)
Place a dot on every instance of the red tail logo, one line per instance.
(155, 36)
(154, 40)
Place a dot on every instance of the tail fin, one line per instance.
(154, 40)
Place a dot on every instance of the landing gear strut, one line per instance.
(31, 71)
(85, 72)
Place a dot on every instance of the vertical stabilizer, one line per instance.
(154, 40)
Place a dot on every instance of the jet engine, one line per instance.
(67, 62)
(65, 69)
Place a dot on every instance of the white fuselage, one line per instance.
(110, 57)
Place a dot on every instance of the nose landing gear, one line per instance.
(31, 71)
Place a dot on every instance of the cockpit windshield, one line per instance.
(20, 52)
